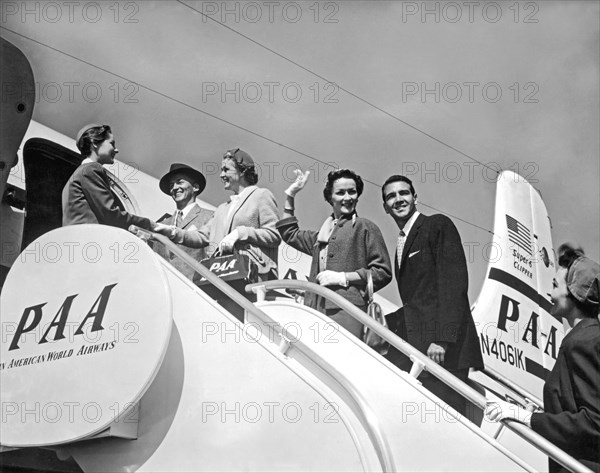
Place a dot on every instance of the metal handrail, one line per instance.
(541, 443)
(366, 416)
(370, 422)
(493, 374)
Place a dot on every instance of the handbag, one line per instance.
(374, 311)
(232, 267)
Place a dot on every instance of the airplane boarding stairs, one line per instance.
(158, 377)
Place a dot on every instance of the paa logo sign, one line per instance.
(82, 337)
(95, 315)
(229, 268)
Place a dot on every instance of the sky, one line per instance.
(443, 92)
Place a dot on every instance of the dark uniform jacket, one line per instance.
(433, 283)
(88, 198)
(571, 419)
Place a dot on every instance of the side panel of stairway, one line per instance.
(224, 401)
(213, 394)
(419, 432)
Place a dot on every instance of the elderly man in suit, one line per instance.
(184, 184)
(431, 273)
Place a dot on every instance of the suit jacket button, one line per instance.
(331, 255)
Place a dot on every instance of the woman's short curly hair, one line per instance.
(248, 172)
(92, 136)
(339, 174)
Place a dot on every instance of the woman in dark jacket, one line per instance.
(572, 391)
(343, 251)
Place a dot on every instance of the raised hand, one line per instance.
(298, 184)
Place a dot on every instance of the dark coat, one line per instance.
(571, 419)
(195, 218)
(433, 283)
(88, 198)
(353, 246)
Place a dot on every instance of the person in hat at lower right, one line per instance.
(184, 184)
(571, 419)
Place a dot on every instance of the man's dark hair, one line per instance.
(92, 136)
(397, 178)
(340, 174)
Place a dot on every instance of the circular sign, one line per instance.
(86, 320)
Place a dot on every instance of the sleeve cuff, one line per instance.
(362, 272)
(533, 421)
(177, 236)
(284, 222)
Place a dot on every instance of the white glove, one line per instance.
(298, 184)
(332, 278)
(500, 410)
(227, 243)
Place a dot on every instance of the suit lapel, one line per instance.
(237, 207)
(191, 215)
(411, 238)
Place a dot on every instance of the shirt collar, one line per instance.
(87, 161)
(346, 217)
(187, 208)
(233, 198)
(410, 222)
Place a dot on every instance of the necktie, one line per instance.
(400, 246)
(400, 249)
(179, 219)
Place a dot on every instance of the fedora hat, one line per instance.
(178, 168)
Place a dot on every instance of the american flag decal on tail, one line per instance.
(519, 234)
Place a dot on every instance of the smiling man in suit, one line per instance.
(183, 183)
(431, 273)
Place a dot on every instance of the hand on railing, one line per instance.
(166, 230)
(501, 410)
(332, 278)
(142, 234)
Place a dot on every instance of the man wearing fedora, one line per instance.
(183, 183)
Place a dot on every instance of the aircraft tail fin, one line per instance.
(518, 335)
